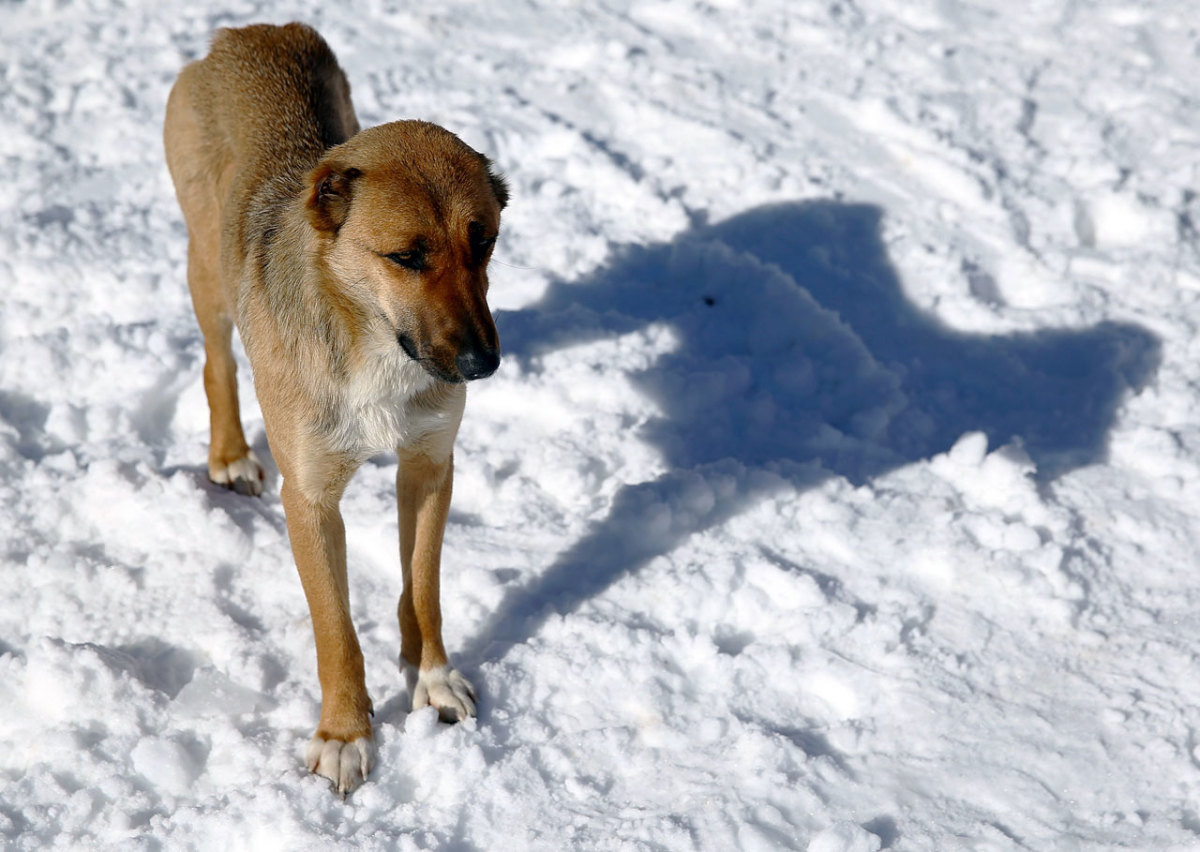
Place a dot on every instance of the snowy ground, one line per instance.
(839, 489)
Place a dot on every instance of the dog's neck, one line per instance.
(314, 320)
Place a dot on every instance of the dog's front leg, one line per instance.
(423, 487)
(341, 750)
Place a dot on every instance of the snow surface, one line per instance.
(838, 490)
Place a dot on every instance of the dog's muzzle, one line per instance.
(473, 362)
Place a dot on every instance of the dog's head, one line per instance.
(408, 215)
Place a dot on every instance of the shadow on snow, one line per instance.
(797, 357)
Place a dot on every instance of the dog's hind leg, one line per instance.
(231, 462)
(200, 171)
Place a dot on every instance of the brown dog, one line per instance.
(354, 265)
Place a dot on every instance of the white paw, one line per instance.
(442, 687)
(345, 764)
(245, 476)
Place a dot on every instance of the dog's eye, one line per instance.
(413, 259)
(480, 249)
(480, 244)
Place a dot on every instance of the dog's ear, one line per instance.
(498, 184)
(329, 189)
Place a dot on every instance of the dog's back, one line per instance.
(288, 97)
(264, 97)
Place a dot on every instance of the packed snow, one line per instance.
(839, 489)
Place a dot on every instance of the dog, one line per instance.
(353, 264)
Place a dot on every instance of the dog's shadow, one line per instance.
(796, 356)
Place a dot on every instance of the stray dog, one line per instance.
(354, 266)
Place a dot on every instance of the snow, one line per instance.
(839, 489)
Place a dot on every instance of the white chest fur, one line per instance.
(381, 407)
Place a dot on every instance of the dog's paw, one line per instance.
(345, 764)
(442, 687)
(245, 475)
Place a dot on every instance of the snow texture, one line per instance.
(839, 489)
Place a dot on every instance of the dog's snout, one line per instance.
(478, 362)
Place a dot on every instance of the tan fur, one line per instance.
(353, 264)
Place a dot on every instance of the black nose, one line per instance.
(478, 362)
